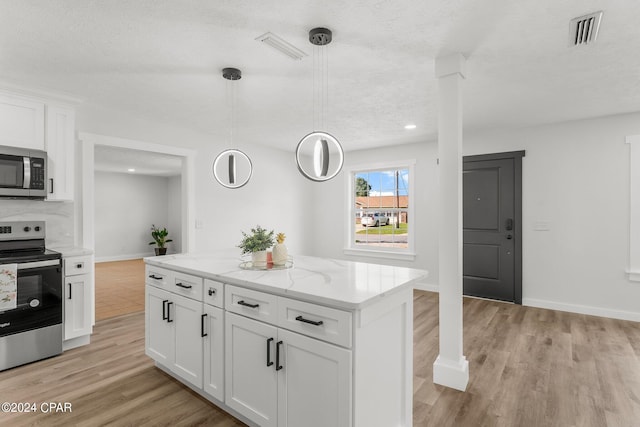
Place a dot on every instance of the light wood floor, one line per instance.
(529, 367)
(119, 288)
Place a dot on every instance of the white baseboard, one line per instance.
(453, 374)
(582, 309)
(123, 257)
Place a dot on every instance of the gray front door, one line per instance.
(492, 241)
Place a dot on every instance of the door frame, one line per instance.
(516, 156)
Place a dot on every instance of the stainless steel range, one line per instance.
(30, 295)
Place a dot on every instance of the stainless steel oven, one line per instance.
(30, 295)
(23, 173)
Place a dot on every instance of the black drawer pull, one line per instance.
(79, 265)
(278, 365)
(246, 304)
(212, 291)
(69, 290)
(164, 309)
(269, 361)
(153, 276)
(184, 286)
(311, 322)
(202, 333)
(169, 319)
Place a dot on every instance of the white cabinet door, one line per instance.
(77, 306)
(60, 145)
(251, 380)
(21, 122)
(158, 331)
(186, 316)
(213, 331)
(314, 385)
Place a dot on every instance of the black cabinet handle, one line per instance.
(169, 319)
(78, 265)
(246, 304)
(278, 365)
(184, 286)
(69, 290)
(212, 291)
(164, 309)
(51, 182)
(311, 322)
(269, 361)
(202, 333)
(153, 276)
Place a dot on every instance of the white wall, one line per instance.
(125, 207)
(331, 199)
(277, 197)
(575, 179)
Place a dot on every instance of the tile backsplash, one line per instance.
(57, 215)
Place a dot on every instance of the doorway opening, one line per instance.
(128, 187)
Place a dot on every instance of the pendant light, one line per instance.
(319, 155)
(232, 168)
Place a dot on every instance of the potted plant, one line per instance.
(159, 239)
(256, 243)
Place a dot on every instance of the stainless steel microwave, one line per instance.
(23, 173)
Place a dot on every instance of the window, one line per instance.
(380, 211)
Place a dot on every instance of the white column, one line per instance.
(451, 368)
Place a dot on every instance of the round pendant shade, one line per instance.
(232, 168)
(319, 156)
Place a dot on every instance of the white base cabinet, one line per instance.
(275, 361)
(78, 296)
(174, 333)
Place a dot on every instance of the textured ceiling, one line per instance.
(161, 59)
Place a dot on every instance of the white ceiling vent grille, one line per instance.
(281, 45)
(584, 29)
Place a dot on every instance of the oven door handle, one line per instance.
(36, 264)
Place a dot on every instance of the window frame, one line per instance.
(350, 247)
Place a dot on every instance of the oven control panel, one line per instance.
(22, 230)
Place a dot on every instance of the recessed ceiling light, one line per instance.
(131, 170)
(410, 127)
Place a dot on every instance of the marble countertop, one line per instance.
(68, 251)
(338, 283)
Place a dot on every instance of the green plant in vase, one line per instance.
(256, 243)
(159, 239)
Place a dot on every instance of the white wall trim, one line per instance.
(88, 141)
(582, 309)
(634, 205)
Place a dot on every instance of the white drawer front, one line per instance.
(250, 303)
(213, 293)
(187, 285)
(327, 324)
(158, 277)
(78, 265)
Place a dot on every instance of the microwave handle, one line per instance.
(27, 172)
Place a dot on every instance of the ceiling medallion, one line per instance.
(319, 155)
(232, 168)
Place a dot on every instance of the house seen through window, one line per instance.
(381, 209)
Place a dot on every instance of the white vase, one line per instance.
(280, 254)
(259, 259)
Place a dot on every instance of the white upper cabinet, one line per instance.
(21, 122)
(60, 146)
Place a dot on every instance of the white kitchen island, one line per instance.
(323, 343)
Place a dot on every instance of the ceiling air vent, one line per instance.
(281, 45)
(584, 29)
